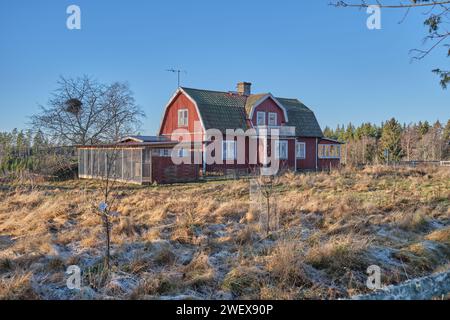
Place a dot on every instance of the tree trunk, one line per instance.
(268, 216)
(108, 241)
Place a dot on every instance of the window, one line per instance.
(300, 150)
(183, 118)
(329, 151)
(164, 152)
(260, 118)
(281, 150)
(272, 119)
(229, 150)
(181, 153)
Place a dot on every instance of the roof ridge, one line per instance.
(228, 92)
(294, 99)
(215, 91)
(253, 94)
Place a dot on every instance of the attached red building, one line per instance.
(193, 113)
(262, 127)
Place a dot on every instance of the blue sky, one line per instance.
(322, 55)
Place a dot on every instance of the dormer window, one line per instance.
(183, 118)
(260, 118)
(272, 119)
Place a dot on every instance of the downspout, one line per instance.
(151, 166)
(204, 158)
(295, 153)
(317, 154)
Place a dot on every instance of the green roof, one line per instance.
(220, 110)
(225, 110)
(301, 117)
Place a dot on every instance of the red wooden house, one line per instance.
(191, 115)
(301, 145)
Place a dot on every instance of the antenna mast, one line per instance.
(178, 72)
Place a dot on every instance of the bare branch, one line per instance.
(363, 4)
(105, 114)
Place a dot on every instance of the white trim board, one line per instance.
(174, 96)
(264, 98)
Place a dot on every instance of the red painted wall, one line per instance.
(284, 164)
(170, 120)
(324, 164)
(170, 124)
(269, 106)
(165, 171)
(309, 163)
(227, 166)
(290, 163)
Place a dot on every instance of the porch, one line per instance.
(133, 162)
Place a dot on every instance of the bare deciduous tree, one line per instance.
(267, 187)
(82, 111)
(409, 137)
(105, 208)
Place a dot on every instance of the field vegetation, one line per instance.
(206, 240)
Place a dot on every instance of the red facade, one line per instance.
(268, 106)
(170, 119)
(165, 171)
(311, 161)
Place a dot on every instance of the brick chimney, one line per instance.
(244, 88)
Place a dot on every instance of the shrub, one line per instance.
(338, 254)
(199, 272)
(285, 264)
(17, 287)
(243, 282)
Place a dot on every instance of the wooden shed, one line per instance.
(135, 159)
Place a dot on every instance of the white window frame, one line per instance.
(298, 154)
(183, 117)
(325, 150)
(276, 119)
(226, 147)
(164, 153)
(182, 152)
(278, 154)
(260, 115)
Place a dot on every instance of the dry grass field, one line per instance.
(205, 240)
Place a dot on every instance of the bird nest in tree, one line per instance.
(74, 106)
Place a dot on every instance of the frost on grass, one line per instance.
(208, 241)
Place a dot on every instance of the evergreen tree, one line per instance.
(328, 133)
(391, 140)
(423, 128)
(349, 132)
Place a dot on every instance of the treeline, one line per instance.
(80, 111)
(32, 152)
(392, 141)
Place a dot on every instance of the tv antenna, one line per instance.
(178, 72)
